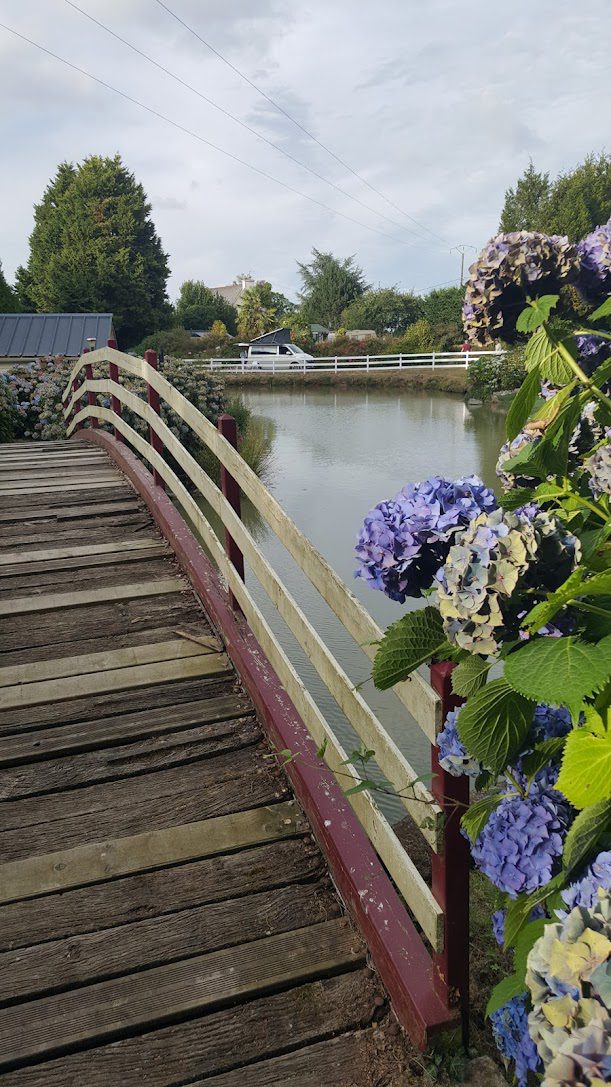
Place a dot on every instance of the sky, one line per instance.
(436, 105)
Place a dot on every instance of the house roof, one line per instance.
(318, 328)
(233, 292)
(31, 335)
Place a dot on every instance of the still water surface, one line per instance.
(336, 454)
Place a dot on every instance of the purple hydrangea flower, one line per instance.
(594, 280)
(510, 1029)
(453, 755)
(585, 891)
(404, 541)
(599, 467)
(592, 351)
(520, 846)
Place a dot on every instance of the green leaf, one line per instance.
(526, 939)
(576, 586)
(411, 641)
(469, 676)
(504, 991)
(520, 909)
(536, 312)
(522, 403)
(512, 500)
(362, 785)
(542, 755)
(475, 818)
(561, 671)
(543, 351)
(582, 841)
(320, 754)
(602, 311)
(585, 774)
(494, 723)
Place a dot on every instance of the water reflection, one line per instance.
(336, 454)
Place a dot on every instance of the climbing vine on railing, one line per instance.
(522, 582)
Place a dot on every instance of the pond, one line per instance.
(336, 454)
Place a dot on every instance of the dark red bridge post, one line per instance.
(92, 399)
(229, 486)
(450, 883)
(113, 373)
(152, 395)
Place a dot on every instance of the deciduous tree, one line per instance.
(329, 286)
(384, 310)
(199, 307)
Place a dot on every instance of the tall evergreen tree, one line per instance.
(329, 286)
(8, 298)
(94, 248)
(524, 207)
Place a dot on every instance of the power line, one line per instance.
(294, 121)
(237, 120)
(197, 136)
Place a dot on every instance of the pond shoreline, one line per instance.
(450, 379)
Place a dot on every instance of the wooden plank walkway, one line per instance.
(165, 914)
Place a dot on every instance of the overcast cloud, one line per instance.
(437, 103)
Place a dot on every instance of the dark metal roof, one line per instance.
(31, 335)
(279, 335)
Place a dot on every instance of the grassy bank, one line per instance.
(451, 379)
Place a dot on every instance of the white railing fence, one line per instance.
(344, 364)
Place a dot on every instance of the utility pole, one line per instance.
(462, 250)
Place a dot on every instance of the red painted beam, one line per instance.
(397, 949)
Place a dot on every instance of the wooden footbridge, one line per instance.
(176, 905)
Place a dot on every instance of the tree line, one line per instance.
(94, 248)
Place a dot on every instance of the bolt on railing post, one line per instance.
(450, 867)
(154, 402)
(228, 428)
(113, 373)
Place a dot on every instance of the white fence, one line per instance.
(342, 364)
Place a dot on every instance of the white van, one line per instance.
(280, 356)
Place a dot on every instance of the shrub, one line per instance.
(8, 409)
(496, 373)
(418, 338)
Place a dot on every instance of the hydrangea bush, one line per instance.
(523, 582)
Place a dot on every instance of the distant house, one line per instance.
(233, 292)
(25, 337)
(319, 333)
(360, 334)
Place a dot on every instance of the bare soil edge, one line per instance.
(451, 379)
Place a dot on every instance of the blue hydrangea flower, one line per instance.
(510, 1029)
(585, 891)
(550, 722)
(453, 756)
(594, 279)
(403, 542)
(592, 351)
(498, 922)
(520, 846)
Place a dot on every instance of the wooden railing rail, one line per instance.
(434, 812)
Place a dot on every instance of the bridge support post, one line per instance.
(113, 373)
(92, 399)
(229, 486)
(154, 402)
(450, 882)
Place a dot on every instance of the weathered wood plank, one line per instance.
(55, 488)
(344, 1061)
(181, 1053)
(37, 746)
(158, 752)
(111, 1009)
(111, 659)
(85, 550)
(109, 558)
(70, 533)
(99, 861)
(65, 964)
(160, 633)
(81, 710)
(68, 513)
(53, 601)
(115, 679)
(201, 790)
(30, 583)
(149, 894)
(48, 476)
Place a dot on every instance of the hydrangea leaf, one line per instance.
(536, 312)
(542, 755)
(520, 908)
(543, 351)
(585, 774)
(469, 676)
(476, 817)
(602, 311)
(409, 642)
(522, 404)
(504, 991)
(589, 828)
(561, 671)
(525, 941)
(512, 500)
(494, 723)
(574, 588)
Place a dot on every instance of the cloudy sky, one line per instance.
(436, 104)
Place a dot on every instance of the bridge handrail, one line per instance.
(408, 880)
